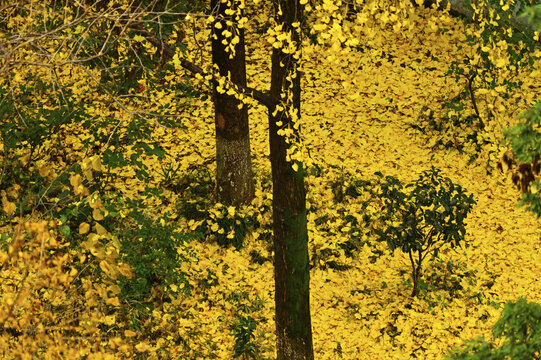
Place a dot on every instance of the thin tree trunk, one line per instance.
(234, 179)
(292, 275)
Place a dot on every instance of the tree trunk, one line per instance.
(292, 274)
(234, 179)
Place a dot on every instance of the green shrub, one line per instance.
(155, 252)
(243, 330)
(519, 328)
(248, 343)
(419, 223)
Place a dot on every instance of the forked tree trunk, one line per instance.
(292, 274)
(234, 179)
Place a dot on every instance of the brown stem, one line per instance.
(472, 96)
(413, 274)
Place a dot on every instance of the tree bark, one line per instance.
(292, 274)
(234, 178)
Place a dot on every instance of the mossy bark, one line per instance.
(234, 178)
(292, 273)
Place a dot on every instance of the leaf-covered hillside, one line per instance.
(108, 256)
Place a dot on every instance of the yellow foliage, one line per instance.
(361, 85)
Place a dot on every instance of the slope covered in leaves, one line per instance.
(358, 110)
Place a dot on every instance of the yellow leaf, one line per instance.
(195, 225)
(95, 202)
(97, 214)
(96, 163)
(500, 63)
(44, 170)
(141, 347)
(100, 229)
(129, 333)
(111, 271)
(84, 228)
(8, 207)
(109, 320)
(24, 159)
(112, 301)
(125, 270)
(75, 180)
(52, 241)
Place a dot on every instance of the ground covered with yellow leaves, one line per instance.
(357, 114)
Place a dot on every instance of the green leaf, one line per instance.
(65, 230)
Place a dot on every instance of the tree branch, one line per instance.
(263, 97)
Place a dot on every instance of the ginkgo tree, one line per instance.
(293, 324)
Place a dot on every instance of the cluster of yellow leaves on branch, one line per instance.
(58, 302)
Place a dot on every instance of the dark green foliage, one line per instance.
(458, 131)
(197, 6)
(520, 329)
(525, 140)
(247, 343)
(483, 75)
(40, 128)
(33, 187)
(244, 333)
(33, 123)
(155, 251)
(349, 186)
(256, 257)
(420, 222)
(534, 14)
(121, 69)
(448, 276)
(524, 137)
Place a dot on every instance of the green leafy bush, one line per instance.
(518, 330)
(155, 252)
(420, 222)
(244, 333)
(248, 341)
